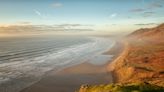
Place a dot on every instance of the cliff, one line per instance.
(144, 57)
(141, 61)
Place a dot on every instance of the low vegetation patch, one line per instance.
(132, 87)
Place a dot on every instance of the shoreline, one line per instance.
(71, 78)
(118, 59)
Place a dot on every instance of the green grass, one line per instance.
(133, 87)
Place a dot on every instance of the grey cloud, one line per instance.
(137, 10)
(144, 24)
(113, 24)
(151, 6)
(148, 14)
(155, 5)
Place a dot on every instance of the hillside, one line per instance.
(144, 58)
(153, 34)
(118, 87)
(141, 60)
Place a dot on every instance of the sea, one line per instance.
(24, 60)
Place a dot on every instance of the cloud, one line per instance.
(145, 24)
(24, 23)
(147, 10)
(42, 16)
(143, 12)
(113, 24)
(137, 10)
(56, 5)
(45, 28)
(73, 25)
(148, 14)
(78, 30)
(155, 5)
(148, 7)
(113, 15)
(37, 12)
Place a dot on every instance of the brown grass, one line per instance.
(144, 61)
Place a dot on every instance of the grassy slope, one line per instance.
(133, 87)
(139, 69)
(142, 61)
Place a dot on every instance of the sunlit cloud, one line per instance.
(45, 28)
(113, 15)
(63, 13)
(74, 25)
(24, 23)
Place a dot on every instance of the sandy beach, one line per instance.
(70, 79)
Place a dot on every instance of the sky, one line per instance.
(101, 16)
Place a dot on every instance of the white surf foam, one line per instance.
(24, 73)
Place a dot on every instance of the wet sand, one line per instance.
(70, 79)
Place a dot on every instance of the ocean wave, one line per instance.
(23, 72)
